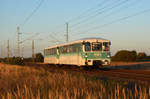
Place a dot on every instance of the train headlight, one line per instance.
(108, 56)
(86, 56)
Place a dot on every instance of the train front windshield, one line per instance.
(106, 46)
(97, 46)
(88, 46)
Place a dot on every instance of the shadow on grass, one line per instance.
(138, 66)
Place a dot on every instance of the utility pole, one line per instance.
(8, 50)
(67, 31)
(33, 50)
(18, 38)
(1, 51)
(22, 50)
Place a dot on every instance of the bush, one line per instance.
(14, 60)
(19, 61)
(1, 59)
(141, 55)
(125, 55)
(28, 59)
(39, 57)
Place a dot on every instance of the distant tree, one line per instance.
(141, 55)
(39, 57)
(1, 59)
(133, 55)
(125, 55)
(14, 60)
(148, 58)
(29, 59)
(18, 60)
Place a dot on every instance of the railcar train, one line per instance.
(83, 52)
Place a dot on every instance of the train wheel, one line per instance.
(81, 67)
(84, 68)
(97, 64)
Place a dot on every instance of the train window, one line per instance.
(73, 48)
(63, 49)
(70, 48)
(87, 46)
(45, 52)
(48, 52)
(54, 51)
(109, 43)
(60, 50)
(106, 46)
(51, 51)
(97, 46)
(76, 47)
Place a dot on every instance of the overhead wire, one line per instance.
(106, 9)
(29, 17)
(90, 11)
(97, 12)
(36, 34)
(110, 14)
(117, 20)
(79, 17)
(32, 13)
(57, 35)
(120, 9)
(84, 14)
(51, 37)
(55, 39)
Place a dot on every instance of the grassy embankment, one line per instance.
(21, 82)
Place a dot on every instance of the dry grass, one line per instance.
(18, 82)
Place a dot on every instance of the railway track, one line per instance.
(125, 74)
(128, 75)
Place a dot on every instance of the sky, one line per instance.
(124, 22)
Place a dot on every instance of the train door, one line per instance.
(57, 55)
(78, 56)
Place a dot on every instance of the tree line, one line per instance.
(130, 56)
(122, 55)
(21, 61)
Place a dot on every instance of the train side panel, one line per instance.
(51, 59)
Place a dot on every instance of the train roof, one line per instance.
(93, 39)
